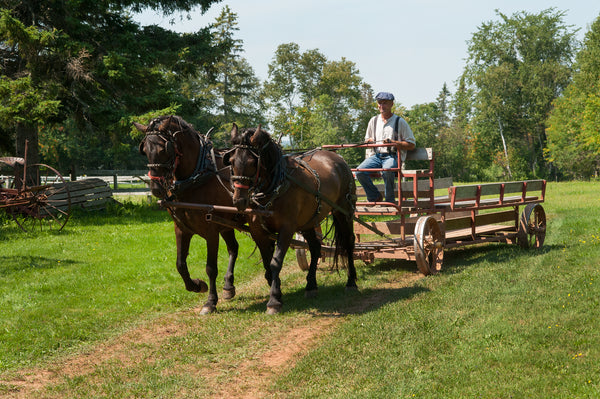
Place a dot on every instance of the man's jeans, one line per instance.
(379, 161)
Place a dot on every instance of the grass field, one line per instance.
(98, 310)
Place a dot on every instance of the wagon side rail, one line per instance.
(494, 195)
(489, 212)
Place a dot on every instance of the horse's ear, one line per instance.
(140, 127)
(234, 131)
(256, 136)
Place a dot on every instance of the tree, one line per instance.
(515, 68)
(574, 124)
(98, 68)
(234, 83)
(433, 127)
(314, 101)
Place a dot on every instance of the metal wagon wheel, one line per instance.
(532, 227)
(429, 245)
(43, 200)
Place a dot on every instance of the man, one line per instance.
(385, 128)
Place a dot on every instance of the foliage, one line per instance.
(314, 101)
(434, 127)
(101, 68)
(573, 126)
(230, 91)
(21, 101)
(77, 74)
(515, 68)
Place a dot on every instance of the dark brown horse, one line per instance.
(183, 166)
(300, 191)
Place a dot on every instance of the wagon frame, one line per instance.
(424, 224)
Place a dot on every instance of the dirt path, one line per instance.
(251, 377)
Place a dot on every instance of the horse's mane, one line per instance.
(165, 122)
(268, 148)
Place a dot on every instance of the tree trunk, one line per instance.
(27, 138)
(27, 133)
(505, 149)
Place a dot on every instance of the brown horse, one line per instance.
(300, 191)
(183, 166)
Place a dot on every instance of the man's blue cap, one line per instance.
(384, 96)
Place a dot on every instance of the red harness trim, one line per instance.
(240, 185)
(157, 178)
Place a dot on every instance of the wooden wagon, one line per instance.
(432, 215)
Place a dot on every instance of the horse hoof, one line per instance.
(311, 293)
(272, 310)
(207, 310)
(351, 289)
(228, 294)
(199, 286)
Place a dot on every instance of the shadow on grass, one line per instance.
(16, 264)
(334, 300)
(457, 259)
(119, 215)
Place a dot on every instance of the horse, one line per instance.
(184, 166)
(299, 191)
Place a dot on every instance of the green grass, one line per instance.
(103, 273)
(497, 322)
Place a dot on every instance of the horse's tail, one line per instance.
(344, 239)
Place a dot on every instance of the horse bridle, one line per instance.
(251, 182)
(171, 164)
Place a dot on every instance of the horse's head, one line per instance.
(163, 144)
(250, 162)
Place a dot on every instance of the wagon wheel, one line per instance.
(532, 227)
(429, 245)
(43, 201)
(301, 253)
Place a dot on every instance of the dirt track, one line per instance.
(251, 376)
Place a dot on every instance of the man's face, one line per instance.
(385, 106)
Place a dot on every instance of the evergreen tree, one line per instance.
(94, 69)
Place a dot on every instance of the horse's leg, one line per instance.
(212, 251)
(232, 249)
(314, 246)
(266, 247)
(183, 248)
(284, 239)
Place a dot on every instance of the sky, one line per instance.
(408, 48)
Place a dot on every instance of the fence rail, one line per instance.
(120, 180)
